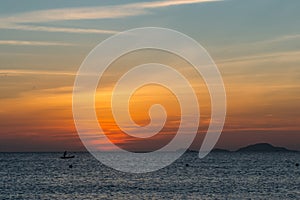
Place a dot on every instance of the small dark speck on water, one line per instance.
(297, 164)
(70, 166)
(187, 165)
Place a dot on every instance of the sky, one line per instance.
(255, 44)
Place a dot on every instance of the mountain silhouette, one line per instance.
(263, 147)
(260, 147)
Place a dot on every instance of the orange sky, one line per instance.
(40, 118)
(256, 51)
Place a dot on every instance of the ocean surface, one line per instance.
(217, 176)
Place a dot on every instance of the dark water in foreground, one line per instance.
(218, 176)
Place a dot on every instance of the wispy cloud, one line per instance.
(57, 29)
(33, 43)
(19, 21)
(268, 56)
(283, 38)
(17, 72)
(159, 4)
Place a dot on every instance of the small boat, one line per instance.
(67, 157)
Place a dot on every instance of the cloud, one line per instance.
(259, 57)
(63, 14)
(33, 43)
(35, 72)
(18, 21)
(283, 38)
(58, 29)
(159, 4)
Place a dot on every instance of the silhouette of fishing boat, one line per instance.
(66, 157)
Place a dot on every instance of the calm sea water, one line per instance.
(218, 176)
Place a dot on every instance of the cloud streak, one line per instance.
(33, 43)
(19, 21)
(269, 56)
(57, 29)
(160, 4)
(283, 38)
(35, 72)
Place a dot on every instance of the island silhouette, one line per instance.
(259, 147)
(263, 147)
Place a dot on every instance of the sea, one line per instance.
(220, 175)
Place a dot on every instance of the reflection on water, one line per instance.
(218, 176)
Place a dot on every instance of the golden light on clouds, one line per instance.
(145, 97)
(43, 102)
(43, 45)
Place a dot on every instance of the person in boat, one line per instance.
(65, 156)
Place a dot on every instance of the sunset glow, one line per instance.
(40, 53)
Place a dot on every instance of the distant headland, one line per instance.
(260, 147)
(264, 147)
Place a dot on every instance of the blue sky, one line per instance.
(216, 25)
